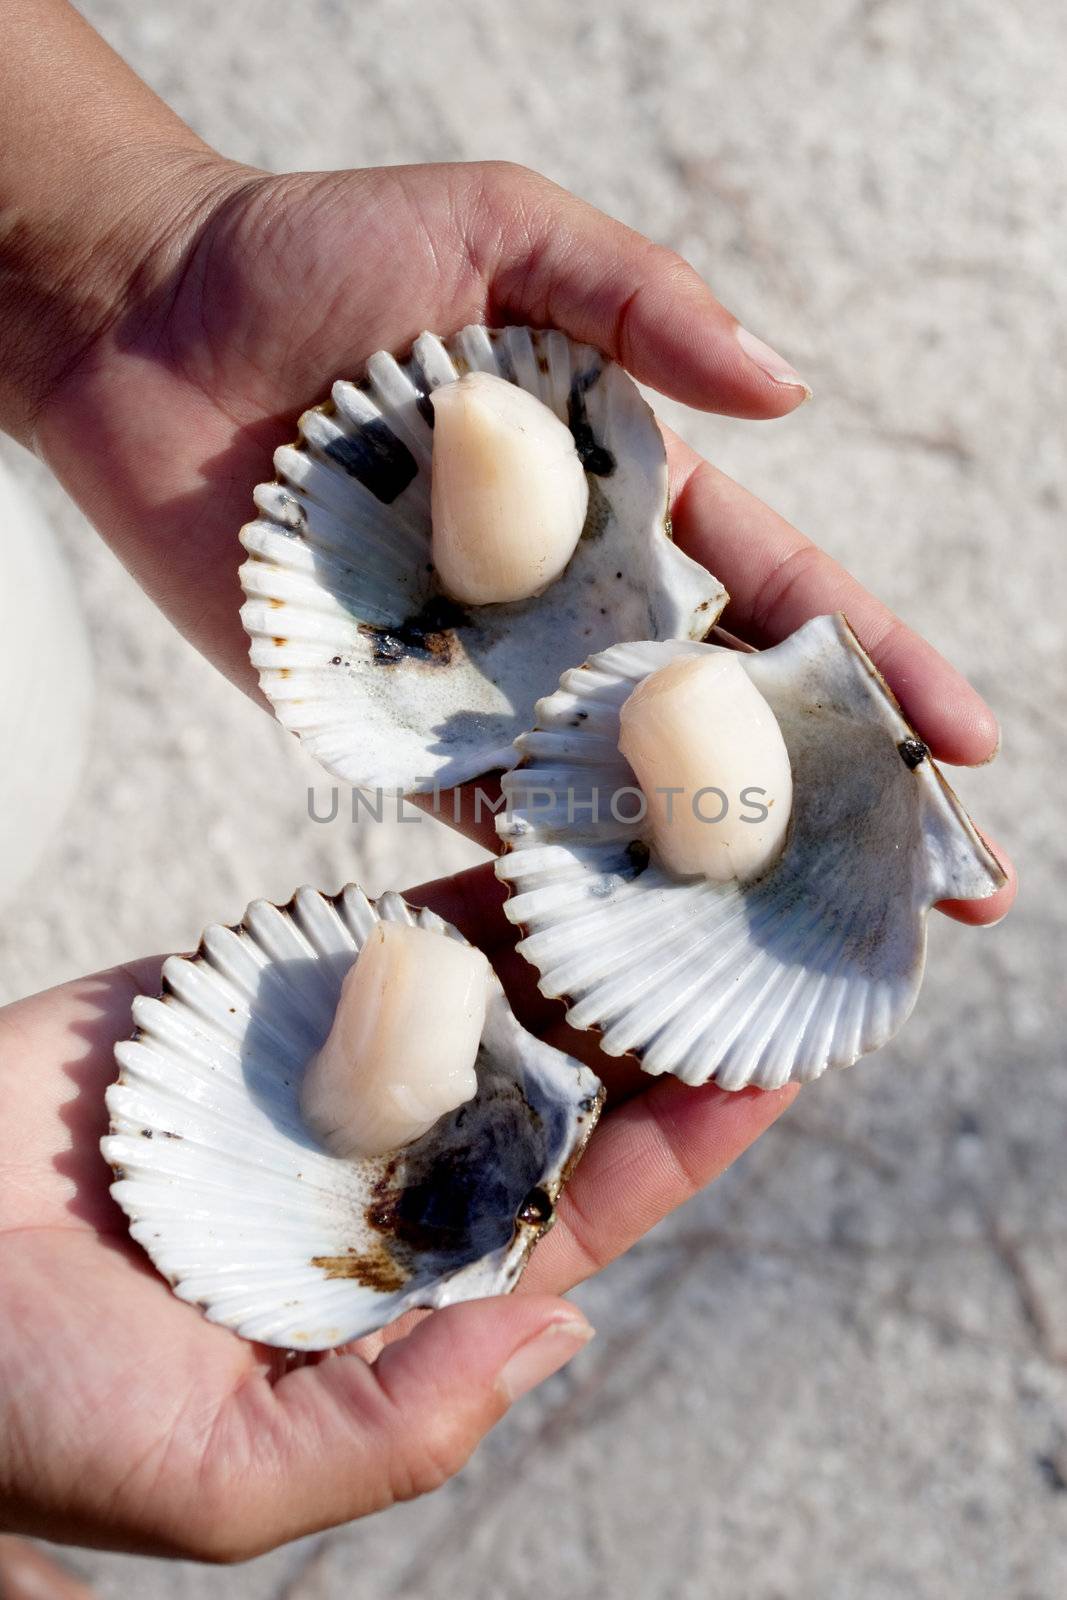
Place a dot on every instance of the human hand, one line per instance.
(127, 1420)
(234, 297)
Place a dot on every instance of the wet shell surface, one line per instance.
(389, 683)
(246, 1215)
(811, 966)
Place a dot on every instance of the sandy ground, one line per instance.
(840, 1373)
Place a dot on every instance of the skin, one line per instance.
(164, 315)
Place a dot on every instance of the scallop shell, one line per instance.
(810, 967)
(243, 1212)
(387, 682)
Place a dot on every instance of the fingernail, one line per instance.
(770, 362)
(543, 1355)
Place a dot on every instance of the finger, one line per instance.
(777, 579)
(26, 1573)
(343, 1438)
(645, 1160)
(473, 900)
(559, 262)
(471, 809)
(984, 913)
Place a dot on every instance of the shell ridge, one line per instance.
(826, 961)
(241, 1210)
(349, 634)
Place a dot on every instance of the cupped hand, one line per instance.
(127, 1420)
(259, 290)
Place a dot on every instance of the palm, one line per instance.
(286, 289)
(132, 1374)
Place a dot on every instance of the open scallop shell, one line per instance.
(243, 1212)
(810, 967)
(388, 683)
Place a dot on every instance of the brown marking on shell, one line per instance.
(388, 1214)
(373, 1269)
(428, 637)
(589, 1116)
(913, 752)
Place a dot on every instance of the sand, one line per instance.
(840, 1372)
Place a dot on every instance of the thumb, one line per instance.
(353, 1438)
(456, 1375)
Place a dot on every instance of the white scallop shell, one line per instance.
(386, 683)
(239, 1207)
(810, 967)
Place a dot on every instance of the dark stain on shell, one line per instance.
(503, 359)
(913, 752)
(428, 1217)
(537, 1209)
(290, 513)
(594, 456)
(456, 1196)
(427, 636)
(598, 512)
(373, 1269)
(375, 456)
(423, 387)
(638, 854)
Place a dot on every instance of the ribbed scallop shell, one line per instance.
(388, 683)
(811, 966)
(242, 1211)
